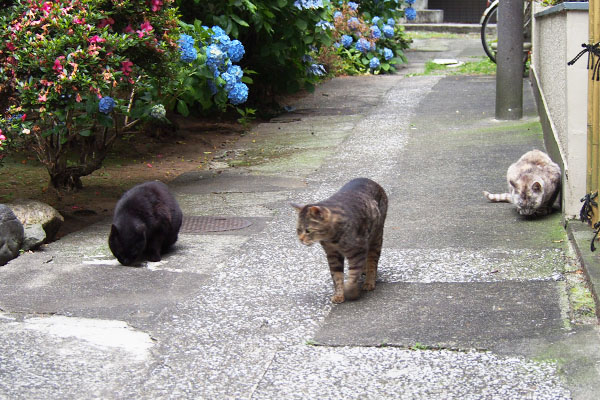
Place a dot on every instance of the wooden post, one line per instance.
(593, 170)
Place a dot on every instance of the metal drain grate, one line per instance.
(198, 225)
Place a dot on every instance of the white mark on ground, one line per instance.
(109, 334)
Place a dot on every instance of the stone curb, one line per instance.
(581, 235)
(445, 28)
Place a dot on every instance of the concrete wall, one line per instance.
(561, 93)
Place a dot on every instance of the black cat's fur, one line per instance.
(146, 223)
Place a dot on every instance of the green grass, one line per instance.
(482, 66)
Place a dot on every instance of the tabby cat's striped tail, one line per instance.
(497, 197)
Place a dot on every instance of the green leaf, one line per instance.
(85, 132)
(182, 108)
(301, 24)
(239, 20)
(105, 120)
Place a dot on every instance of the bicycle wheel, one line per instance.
(489, 33)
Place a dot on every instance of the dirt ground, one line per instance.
(138, 159)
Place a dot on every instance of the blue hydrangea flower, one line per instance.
(188, 54)
(353, 6)
(353, 23)
(218, 31)
(347, 41)
(307, 58)
(214, 56)
(236, 50)
(324, 25)
(106, 105)
(316, 69)
(185, 41)
(388, 31)
(236, 71)
(230, 81)
(375, 32)
(363, 45)
(158, 111)
(223, 41)
(238, 94)
(388, 54)
(308, 4)
(337, 14)
(375, 20)
(186, 47)
(391, 21)
(410, 13)
(374, 63)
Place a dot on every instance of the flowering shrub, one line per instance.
(86, 71)
(365, 43)
(73, 67)
(276, 34)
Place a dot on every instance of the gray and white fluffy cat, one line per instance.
(533, 184)
(348, 225)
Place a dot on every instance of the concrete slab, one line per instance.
(456, 150)
(205, 182)
(446, 315)
(316, 372)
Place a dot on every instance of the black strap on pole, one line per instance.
(593, 51)
(585, 215)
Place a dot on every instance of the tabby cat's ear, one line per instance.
(536, 187)
(318, 213)
(298, 207)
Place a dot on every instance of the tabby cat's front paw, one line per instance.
(368, 286)
(352, 291)
(337, 298)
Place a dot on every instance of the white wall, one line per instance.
(557, 38)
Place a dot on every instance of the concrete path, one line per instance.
(473, 301)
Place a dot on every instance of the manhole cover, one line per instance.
(195, 224)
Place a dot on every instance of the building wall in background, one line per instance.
(461, 11)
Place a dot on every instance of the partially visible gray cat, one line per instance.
(533, 182)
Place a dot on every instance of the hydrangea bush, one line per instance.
(208, 75)
(276, 34)
(364, 43)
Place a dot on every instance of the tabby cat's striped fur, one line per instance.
(348, 225)
(533, 182)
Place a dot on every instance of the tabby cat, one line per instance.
(348, 225)
(146, 222)
(533, 182)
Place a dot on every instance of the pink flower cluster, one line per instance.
(2, 137)
(106, 22)
(155, 5)
(145, 27)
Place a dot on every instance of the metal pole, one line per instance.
(509, 60)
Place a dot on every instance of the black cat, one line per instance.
(146, 223)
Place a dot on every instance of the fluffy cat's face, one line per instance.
(313, 224)
(527, 196)
(127, 245)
